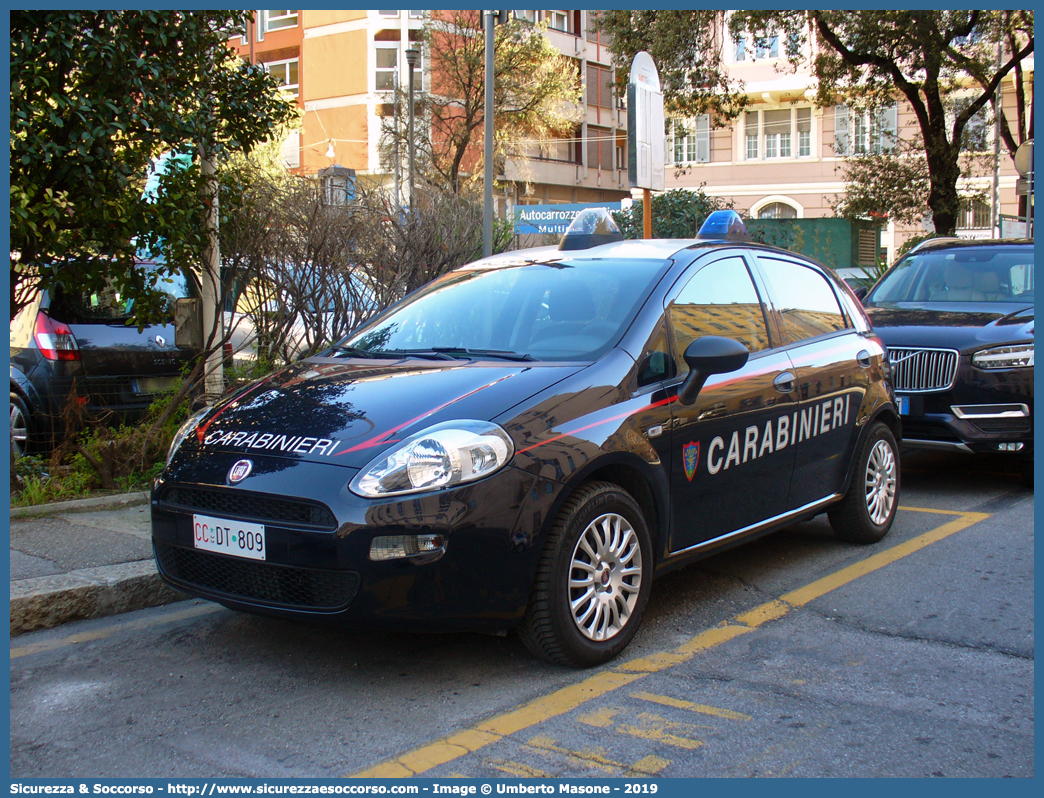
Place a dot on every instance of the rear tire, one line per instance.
(866, 513)
(19, 426)
(593, 579)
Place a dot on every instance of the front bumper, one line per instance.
(984, 411)
(318, 537)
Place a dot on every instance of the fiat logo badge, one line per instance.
(240, 471)
(161, 340)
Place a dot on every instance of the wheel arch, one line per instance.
(643, 482)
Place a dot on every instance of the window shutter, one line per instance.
(840, 130)
(889, 127)
(703, 138)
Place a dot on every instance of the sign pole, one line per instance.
(646, 213)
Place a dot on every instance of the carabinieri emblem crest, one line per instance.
(691, 458)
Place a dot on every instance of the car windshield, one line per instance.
(570, 310)
(107, 305)
(959, 274)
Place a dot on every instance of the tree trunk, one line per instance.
(943, 199)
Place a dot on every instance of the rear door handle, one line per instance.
(784, 383)
(863, 358)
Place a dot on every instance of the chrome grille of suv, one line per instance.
(923, 370)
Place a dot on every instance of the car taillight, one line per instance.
(55, 340)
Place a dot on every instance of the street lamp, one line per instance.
(412, 55)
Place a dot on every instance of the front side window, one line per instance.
(804, 298)
(720, 299)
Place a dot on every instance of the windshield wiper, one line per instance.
(353, 351)
(502, 354)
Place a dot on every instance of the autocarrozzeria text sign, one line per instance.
(553, 218)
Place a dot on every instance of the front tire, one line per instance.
(593, 579)
(868, 509)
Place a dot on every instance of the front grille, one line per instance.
(274, 585)
(923, 370)
(252, 506)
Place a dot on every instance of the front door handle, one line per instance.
(863, 358)
(784, 383)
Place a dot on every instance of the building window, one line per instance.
(600, 147)
(388, 13)
(285, 73)
(599, 86)
(778, 210)
(777, 133)
(689, 141)
(741, 48)
(277, 20)
(771, 134)
(416, 15)
(862, 132)
(767, 48)
(557, 20)
(974, 215)
(528, 16)
(804, 132)
(975, 136)
(387, 54)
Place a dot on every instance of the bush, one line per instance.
(678, 213)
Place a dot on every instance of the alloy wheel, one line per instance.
(605, 576)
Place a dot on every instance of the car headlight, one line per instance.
(446, 454)
(183, 432)
(1004, 357)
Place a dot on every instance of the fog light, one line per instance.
(1010, 447)
(394, 547)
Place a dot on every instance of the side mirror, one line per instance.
(188, 323)
(708, 355)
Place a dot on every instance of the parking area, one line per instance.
(795, 655)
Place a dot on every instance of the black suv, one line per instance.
(957, 318)
(80, 346)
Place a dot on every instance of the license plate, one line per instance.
(236, 538)
(904, 405)
(153, 384)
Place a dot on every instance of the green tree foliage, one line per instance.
(678, 213)
(95, 97)
(863, 58)
(536, 93)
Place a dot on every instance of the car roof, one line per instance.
(645, 249)
(963, 243)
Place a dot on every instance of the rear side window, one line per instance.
(720, 299)
(107, 306)
(804, 298)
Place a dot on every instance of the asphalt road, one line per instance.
(792, 656)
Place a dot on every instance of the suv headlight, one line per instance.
(183, 432)
(1004, 357)
(446, 454)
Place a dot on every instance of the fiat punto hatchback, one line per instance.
(529, 440)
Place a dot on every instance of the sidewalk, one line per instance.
(82, 559)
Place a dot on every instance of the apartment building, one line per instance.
(343, 67)
(783, 157)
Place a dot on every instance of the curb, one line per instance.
(82, 505)
(48, 601)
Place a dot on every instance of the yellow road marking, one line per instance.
(679, 703)
(521, 770)
(600, 718)
(100, 634)
(567, 698)
(589, 757)
(650, 765)
(653, 727)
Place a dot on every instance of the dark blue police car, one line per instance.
(529, 440)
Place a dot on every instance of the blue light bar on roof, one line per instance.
(724, 226)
